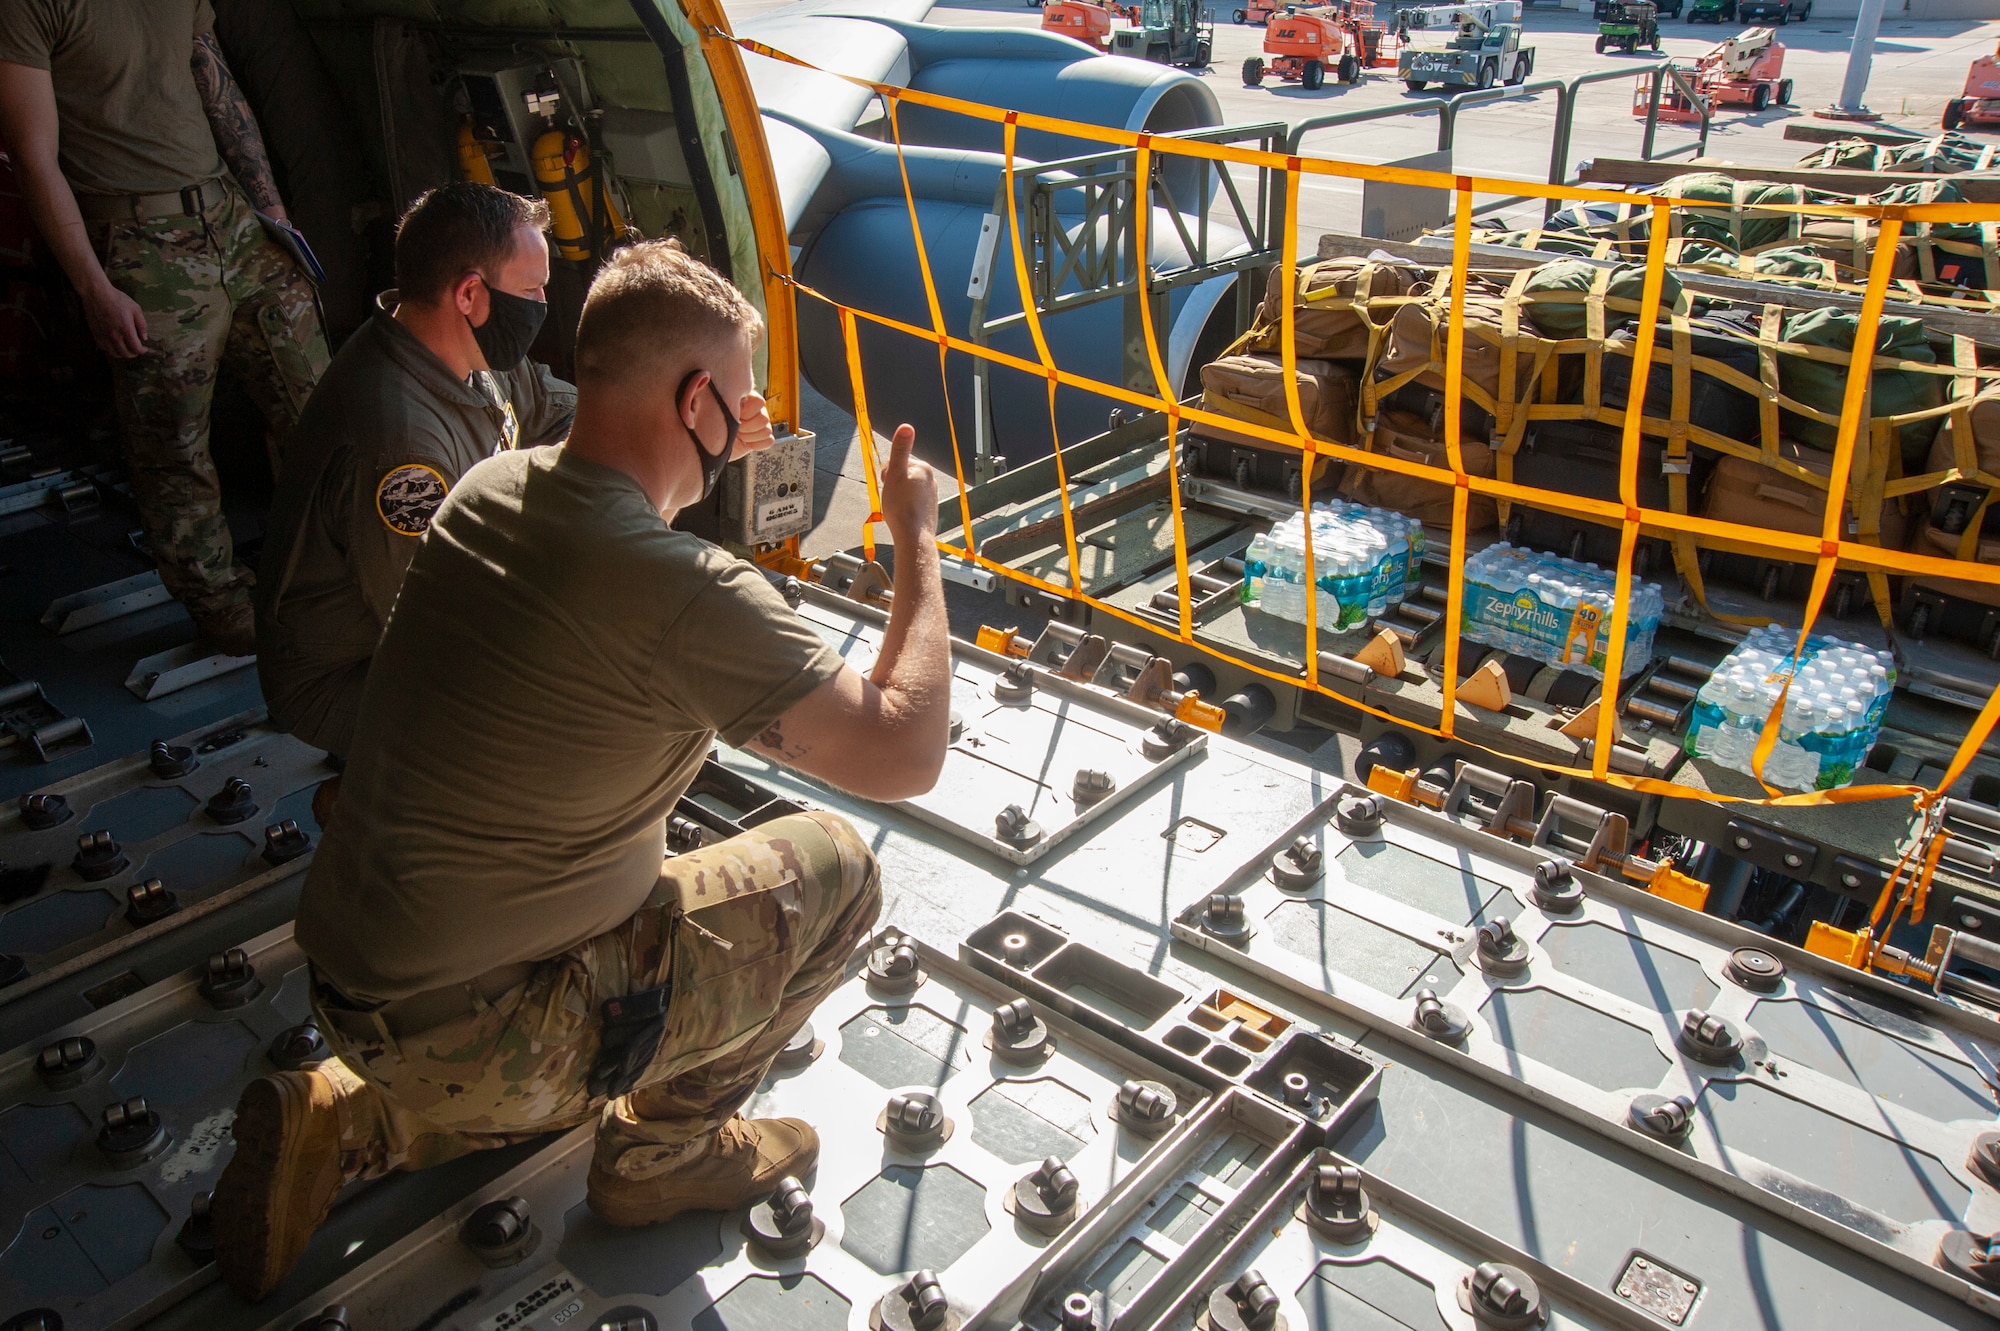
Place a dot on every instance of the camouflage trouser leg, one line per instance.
(754, 932)
(216, 291)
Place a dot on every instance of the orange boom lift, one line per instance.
(1304, 44)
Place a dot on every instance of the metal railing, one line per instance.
(1449, 109)
(1080, 239)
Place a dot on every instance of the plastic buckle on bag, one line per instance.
(1955, 505)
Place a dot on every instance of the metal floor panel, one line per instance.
(89, 1226)
(1402, 1266)
(1585, 1205)
(68, 908)
(1856, 1106)
(1021, 749)
(1820, 1174)
(888, 1208)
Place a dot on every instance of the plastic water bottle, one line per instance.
(1555, 610)
(1360, 565)
(1839, 692)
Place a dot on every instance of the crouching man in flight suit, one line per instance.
(436, 381)
(497, 949)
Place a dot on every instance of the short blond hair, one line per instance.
(653, 304)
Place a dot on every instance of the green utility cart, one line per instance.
(1628, 25)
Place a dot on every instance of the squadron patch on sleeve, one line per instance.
(408, 498)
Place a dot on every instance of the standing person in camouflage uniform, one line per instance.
(496, 948)
(146, 173)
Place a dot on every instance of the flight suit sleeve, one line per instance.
(395, 497)
(737, 658)
(30, 30)
(544, 404)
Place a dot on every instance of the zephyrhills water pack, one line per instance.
(1554, 609)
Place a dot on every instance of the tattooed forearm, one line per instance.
(771, 739)
(235, 129)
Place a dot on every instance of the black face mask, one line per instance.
(511, 324)
(711, 463)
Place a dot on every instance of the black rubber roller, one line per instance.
(1247, 711)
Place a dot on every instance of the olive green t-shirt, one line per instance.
(131, 119)
(557, 665)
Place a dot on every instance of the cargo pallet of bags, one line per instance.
(1953, 264)
(1757, 387)
(1333, 339)
(1741, 411)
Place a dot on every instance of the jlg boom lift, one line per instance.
(1979, 106)
(1744, 70)
(1088, 21)
(1303, 44)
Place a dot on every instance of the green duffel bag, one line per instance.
(1846, 155)
(1741, 227)
(1942, 154)
(1930, 191)
(1560, 318)
(1823, 383)
(1796, 261)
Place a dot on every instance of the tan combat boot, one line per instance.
(281, 1182)
(637, 1182)
(329, 791)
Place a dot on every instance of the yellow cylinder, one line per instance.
(562, 169)
(473, 163)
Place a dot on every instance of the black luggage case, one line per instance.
(1581, 458)
(1715, 406)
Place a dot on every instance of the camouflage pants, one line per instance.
(754, 932)
(217, 292)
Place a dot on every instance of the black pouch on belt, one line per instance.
(633, 1026)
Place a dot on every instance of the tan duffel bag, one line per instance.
(1749, 494)
(1401, 435)
(1984, 417)
(1415, 353)
(1943, 545)
(1325, 323)
(1940, 544)
(1252, 388)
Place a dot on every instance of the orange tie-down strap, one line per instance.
(1827, 552)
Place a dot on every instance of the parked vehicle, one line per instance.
(1462, 46)
(1979, 105)
(1628, 25)
(1776, 12)
(1168, 32)
(1745, 70)
(1668, 9)
(1303, 46)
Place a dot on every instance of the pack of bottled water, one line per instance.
(1833, 711)
(1554, 609)
(1364, 561)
